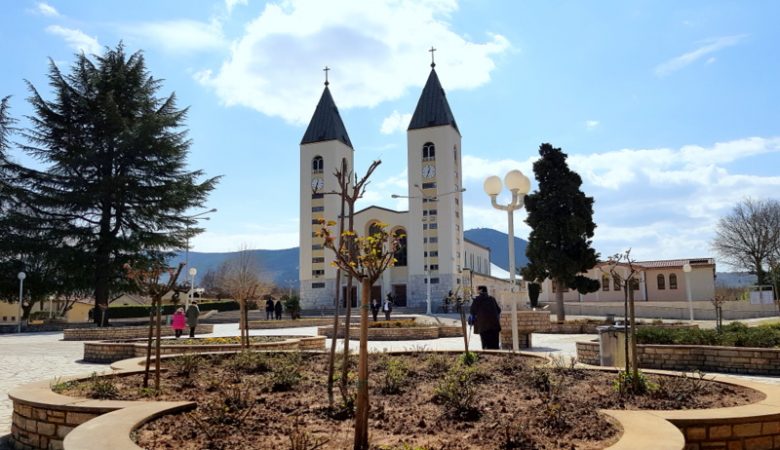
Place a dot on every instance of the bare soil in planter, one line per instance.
(418, 401)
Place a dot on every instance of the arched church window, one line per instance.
(400, 253)
(661, 282)
(605, 282)
(616, 282)
(428, 151)
(317, 164)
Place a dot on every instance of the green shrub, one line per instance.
(468, 358)
(735, 334)
(249, 362)
(132, 311)
(285, 372)
(437, 364)
(102, 387)
(186, 365)
(624, 384)
(457, 391)
(396, 374)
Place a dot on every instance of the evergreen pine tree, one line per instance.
(115, 185)
(561, 219)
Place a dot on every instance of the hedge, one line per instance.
(735, 334)
(130, 311)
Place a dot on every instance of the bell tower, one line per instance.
(435, 205)
(322, 149)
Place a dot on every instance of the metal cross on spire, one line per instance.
(326, 69)
(433, 63)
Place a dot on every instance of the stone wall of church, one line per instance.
(416, 292)
(319, 298)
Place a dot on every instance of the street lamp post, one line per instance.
(519, 185)
(187, 225)
(193, 271)
(21, 277)
(687, 269)
(429, 198)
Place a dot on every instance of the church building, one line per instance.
(433, 247)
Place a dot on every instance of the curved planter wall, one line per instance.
(115, 333)
(107, 352)
(741, 360)
(396, 334)
(43, 419)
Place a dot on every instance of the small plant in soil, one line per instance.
(681, 389)
(396, 374)
(102, 388)
(285, 372)
(625, 384)
(250, 362)
(186, 365)
(457, 392)
(516, 437)
(58, 386)
(301, 440)
(437, 364)
(468, 358)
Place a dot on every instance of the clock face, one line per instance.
(317, 184)
(429, 171)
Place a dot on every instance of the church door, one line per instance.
(344, 296)
(376, 293)
(399, 294)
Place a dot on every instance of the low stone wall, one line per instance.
(395, 333)
(741, 360)
(287, 323)
(118, 333)
(523, 340)
(527, 322)
(742, 434)
(590, 327)
(589, 353)
(108, 352)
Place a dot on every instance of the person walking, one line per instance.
(487, 322)
(278, 309)
(193, 312)
(178, 322)
(374, 308)
(387, 306)
(269, 308)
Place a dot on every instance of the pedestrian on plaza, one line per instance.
(374, 308)
(178, 322)
(278, 309)
(387, 306)
(269, 308)
(193, 312)
(486, 314)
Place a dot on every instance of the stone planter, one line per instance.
(396, 333)
(119, 333)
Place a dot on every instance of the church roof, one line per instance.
(432, 108)
(326, 124)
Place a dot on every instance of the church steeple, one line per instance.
(326, 124)
(432, 108)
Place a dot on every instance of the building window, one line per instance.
(433, 226)
(434, 267)
(616, 282)
(433, 281)
(317, 285)
(317, 273)
(605, 282)
(432, 212)
(317, 164)
(317, 260)
(317, 195)
(425, 226)
(429, 185)
(315, 221)
(428, 152)
(317, 208)
(400, 253)
(634, 284)
(661, 282)
(672, 281)
(433, 239)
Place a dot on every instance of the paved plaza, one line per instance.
(39, 356)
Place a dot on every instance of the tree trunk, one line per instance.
(103, 264)
(332, 354)
(462, 308)
(345, 355)
(148, 346)
(361, 413)
(242, 325)
(158, 308)
(560, 313)
(634, 357)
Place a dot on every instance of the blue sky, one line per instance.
(667, 109)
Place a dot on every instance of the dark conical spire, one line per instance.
(326, 124)
(432, 108)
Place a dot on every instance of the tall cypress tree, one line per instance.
(561, 219)
(115, 185)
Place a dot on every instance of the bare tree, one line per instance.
(625, 278)
(148, 279)
(749, 237)
(240, 278)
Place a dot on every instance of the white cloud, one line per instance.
(176, 36)
(708, 47)
(77, 39)
(591, 124)
(47, 10)
(230, 4)
(396, 123)
(376, 50)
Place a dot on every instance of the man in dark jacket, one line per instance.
(486, 314)
(269, 308)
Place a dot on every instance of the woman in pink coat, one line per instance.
(178, 322)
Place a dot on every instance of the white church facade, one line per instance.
(433, 247)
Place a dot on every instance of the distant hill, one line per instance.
(278, 266)
(498, 244)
